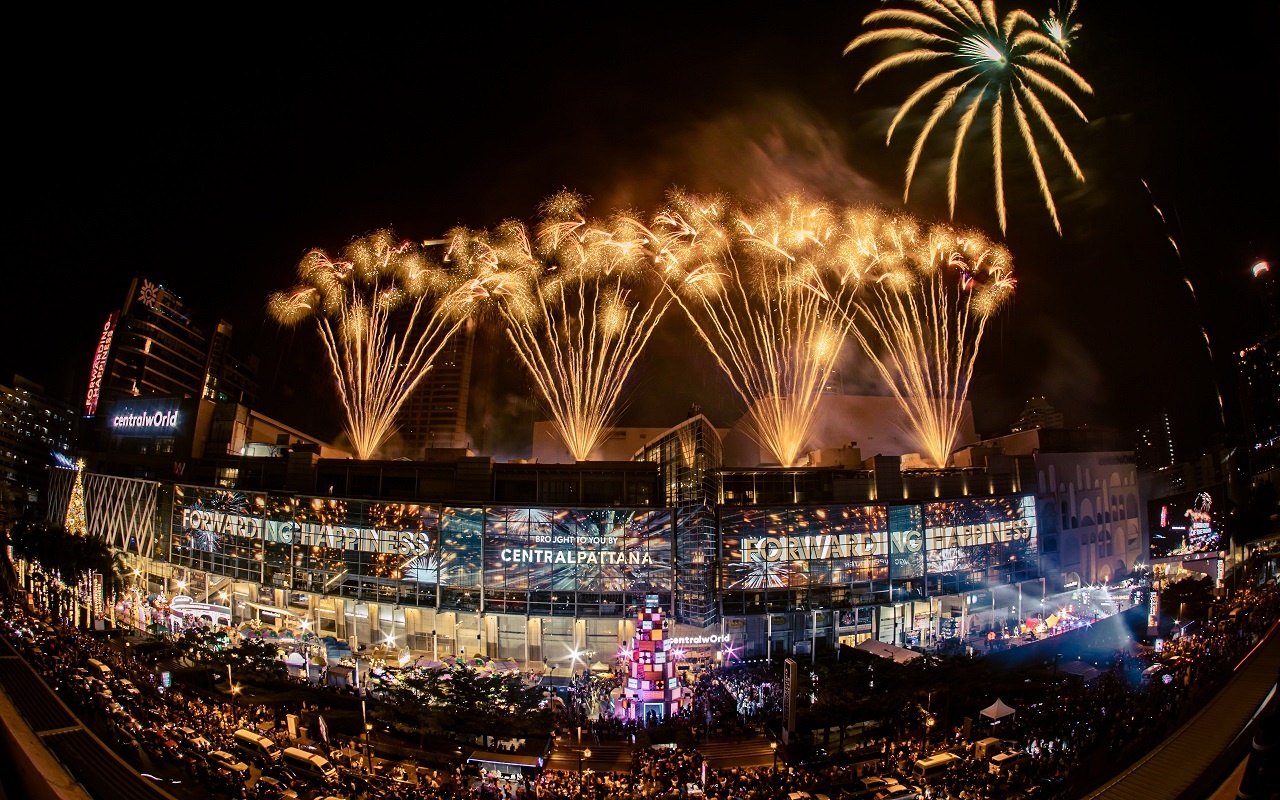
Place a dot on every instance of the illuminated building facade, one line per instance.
(534, 562)
(36, 432)
(153, 347)
(1091, 513)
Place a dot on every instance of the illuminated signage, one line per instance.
(99, 367)
(530, 556)
(805, 548)
(217, 524)
(1187, 524)
(155, 420)
(709, 639)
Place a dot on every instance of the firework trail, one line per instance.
(931, 292)
(768, 291)
(1003, 66)
(578, 306)
(1195, 299)
(353, 299)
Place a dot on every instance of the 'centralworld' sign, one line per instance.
(154, 419)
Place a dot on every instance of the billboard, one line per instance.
(1187, 524)
(981, 533)
(99, 368)
(848, 545)
(798, 547)
(603, 550)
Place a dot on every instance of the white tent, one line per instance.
(998, 710)
(876, 648)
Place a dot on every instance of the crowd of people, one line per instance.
(1076, 726)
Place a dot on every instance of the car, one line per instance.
(268, 787)
(129, 745)
(899, 792)
(229, 781)
(221, 759)
(285, 775)
(126, 687)
(868, 786)
(159, 744)
(192, 739)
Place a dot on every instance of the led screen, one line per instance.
(1186, 524)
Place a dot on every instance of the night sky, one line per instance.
(210, 157)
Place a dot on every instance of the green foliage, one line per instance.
(465, 700)
(70, 556)
(1188, 598)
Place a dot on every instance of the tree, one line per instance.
(1189, 598)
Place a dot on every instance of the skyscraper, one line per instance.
(153, 347)
(435, 413)
(35, 431)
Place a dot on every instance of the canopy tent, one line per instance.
(1080, 669)
(998, 710)
(600, 666)
(899, 654)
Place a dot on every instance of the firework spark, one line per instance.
(1006, 65)
(377, 363)
(767, 290)
(931, 295)
(577, 306)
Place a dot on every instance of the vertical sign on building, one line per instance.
(790, 678)
(99, 367)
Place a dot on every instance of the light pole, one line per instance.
(774, 747)
(364, 715)
(581, 755)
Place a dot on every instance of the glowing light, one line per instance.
(375, 363)
(579, 310)
(931, 294)
(1261, 268)
(75, 519)
(767, 289)
(1005, 65)
(1060, 27)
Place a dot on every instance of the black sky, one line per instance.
(210, 156)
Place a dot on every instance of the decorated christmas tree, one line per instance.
(652, 691)
(75, 508)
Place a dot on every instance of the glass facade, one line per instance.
(584, 563)
(797, 559)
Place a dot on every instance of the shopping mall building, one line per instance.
(538, 562)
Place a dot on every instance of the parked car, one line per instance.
(191, 738)
(899, 792)
(159, 744)
(285, 775)
(269, 788)
(221, 759)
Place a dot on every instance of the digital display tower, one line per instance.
(652, 691)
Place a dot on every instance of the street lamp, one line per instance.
(774, 747)
(364, 714)
(581, 755)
